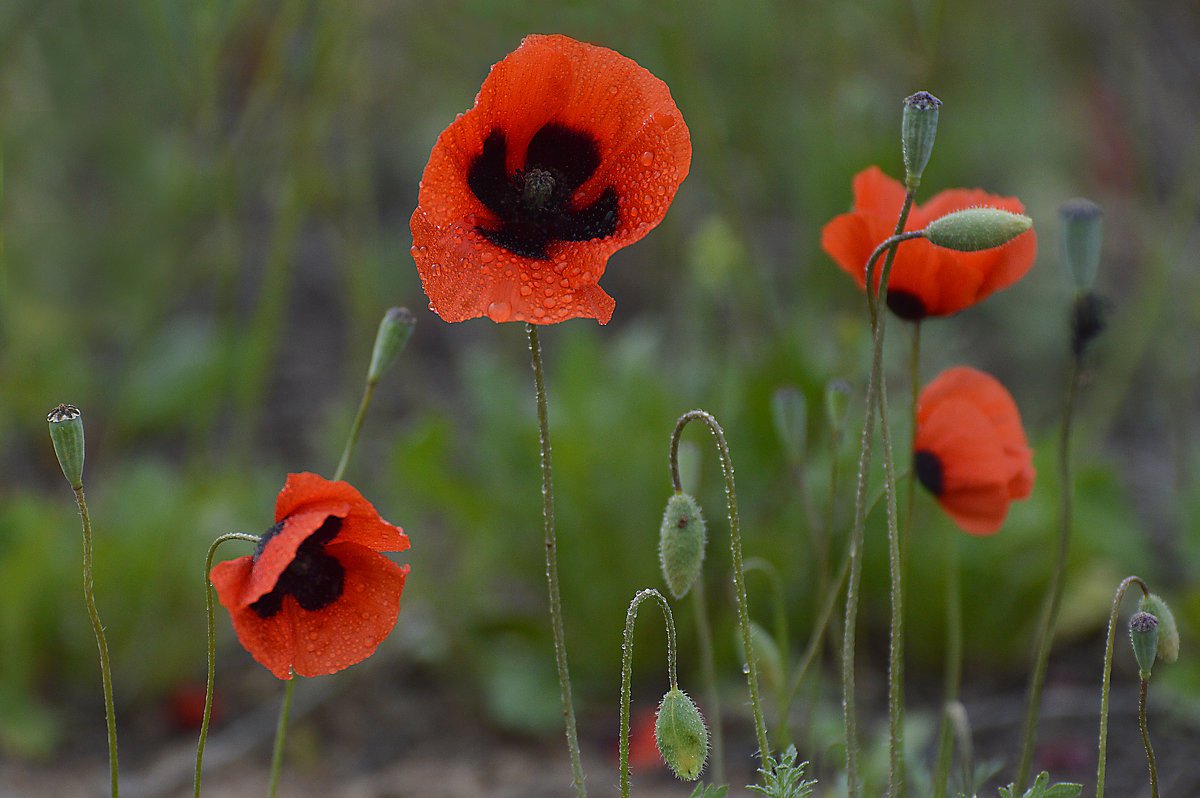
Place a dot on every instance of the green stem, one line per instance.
(556, 622)
(818, 633)
(781, 641)
(280, 737)
(627, 670)
(857, 532)
(89, 599)
(1106, 680)
(355, 428)
(708, 664)
(735, 546)
(953, 676)
(1150, 762)
(212, 648)
(1057, 580)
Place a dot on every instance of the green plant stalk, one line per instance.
(1057, 580)
(781, 641)
(627, 670)
(953, 676)
(735, 547)
(1106, 680)
(818, 633)
(1150, 761)
(355, 428)
(212, 649)
(556, 621)
(280, 737)
(708, 665)
(89, 599)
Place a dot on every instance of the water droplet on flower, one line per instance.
(539, 312)
(664, 121)
(568, 298)
(647, 158)
(526, 290)
(487, 256)
(499, 311)
(613, 89)
(565, 283)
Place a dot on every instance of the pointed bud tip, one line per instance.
(976, 229)
(395, 329)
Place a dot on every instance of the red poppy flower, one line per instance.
(925, 280)
(970, 449)
(571, 152)
(316, 596)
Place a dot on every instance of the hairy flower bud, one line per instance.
(1081, 237)
(975, 229)
(66, 433)
(681, 544)
(790, 413)
(1168, 630)
(681, 735)
(1143, 634)
(395, 329)
(918, 127)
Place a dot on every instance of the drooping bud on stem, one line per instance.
(975, 229)
(681, 735)
(1143, 634)
(1081, 237)
(1168, 630)
(395, 329)
(790, 413)
(681, 544)
(918, 127)
(66, 433)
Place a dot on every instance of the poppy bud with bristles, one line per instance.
(976, 229)
(1168, 630)
(66, 433)
(918, 127)
(681, 735)
(395, 329)
(1081, 238)
(1143, 634)
(790, 413)
(681, 543)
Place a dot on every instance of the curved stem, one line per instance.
(735, 547)
(627, 670)
(708, 665)
(953, 676)
(1150, 761)
(280, 737)
(556, 622)
(1105, 684)
(212, 647)
(89, 599)
(1054, 594)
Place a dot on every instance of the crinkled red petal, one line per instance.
(280, 550)
(361, 523)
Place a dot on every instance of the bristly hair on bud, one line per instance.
(918, 128)
(975, 229)
(66, 433)
(1081, 238)
(1168, 630)
(681, 735)
(681, 544)
(1089, 315)
(395, 329)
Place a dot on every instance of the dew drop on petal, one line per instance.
(526, 290)
(486, 256)
(499, 311)
(539, 312)
(647, 158)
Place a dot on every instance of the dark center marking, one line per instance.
(929, 471)
(315, 579)
(534, 203)
(906, 305)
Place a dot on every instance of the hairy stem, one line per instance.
(1106, 680)
(1150, 761)
(627, 670)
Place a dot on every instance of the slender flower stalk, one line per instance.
(556, 621)
(953, 675)
(1151, 763)
(708, 664)
(818, 632)
(627, 670)
(1105, 685)
(281, 737)
(735, 546)
(780, 634)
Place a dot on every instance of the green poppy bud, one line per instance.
(918, 127)
(1143, 633)
(681, 735)
(790, 414)
(975, 229)
(837, 403)
(1081, 237)
(681, 543)
(1168, 630)
(395, 329)
(66, 433)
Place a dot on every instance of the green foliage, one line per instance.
(710, 791)
(783, 778)
(1042, 788)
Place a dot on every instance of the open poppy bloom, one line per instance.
(925, 280)
(970, 450)
(316, 596)
(571, 152)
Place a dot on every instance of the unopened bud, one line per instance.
(837, 403)
(681, 543)
(790, 413)
(394, 331)
(66, 433)
(1143, 633)
(1168, 630)
(1081, 237)
(918, 127)
(975, 229)
(681, 735)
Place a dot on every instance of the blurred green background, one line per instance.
(205, 213)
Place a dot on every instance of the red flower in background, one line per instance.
(925, 280)
(970, 450)
(316, 596)
(571, 152)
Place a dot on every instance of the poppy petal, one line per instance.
(361, 522)
(269, 640)
(280, 548)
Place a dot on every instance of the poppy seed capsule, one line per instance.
(1168, 631)
(681, 735)
(66, 433)
(790, 414)
(1081, 237)
(395, 329)
(976, 229)
(918, 127)
(1143, 634)
(681, 544)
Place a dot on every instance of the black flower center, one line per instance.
(534, 204)
(315, 579)
(906, 305)
(929, 471)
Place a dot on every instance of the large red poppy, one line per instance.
(316, 596)
(925, 280)
(970, 449)
(571, 152)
